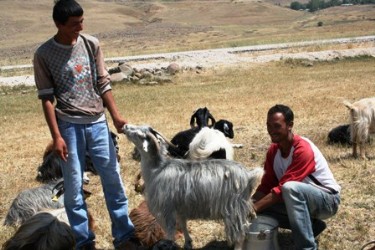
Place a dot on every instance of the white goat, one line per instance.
(362, 123)
(177, 190)
(209, 142)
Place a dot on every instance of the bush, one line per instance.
(297, 6)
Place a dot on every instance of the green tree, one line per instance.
(313, 5)
(297, 6)
(334, 3)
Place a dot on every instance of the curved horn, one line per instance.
(156, 133)
(154, 139)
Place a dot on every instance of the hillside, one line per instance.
(132, 28)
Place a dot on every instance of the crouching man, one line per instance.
(298, 188)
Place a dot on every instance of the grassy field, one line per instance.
(243, 96)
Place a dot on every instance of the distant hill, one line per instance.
(142, 27)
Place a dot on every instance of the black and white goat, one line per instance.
(50, 168)
(213, 142)
(210, 143)
(201, 117)
(178, 190)
(226, 127)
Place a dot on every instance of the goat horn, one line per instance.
(153, 138)
(170, 144)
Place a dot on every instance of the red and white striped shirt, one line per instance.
(305, 163)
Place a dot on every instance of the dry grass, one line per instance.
(242, 95)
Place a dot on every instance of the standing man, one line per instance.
(69, 68)
(298, 188)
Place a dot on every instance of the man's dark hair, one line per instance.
(285, 110)
(64, 9)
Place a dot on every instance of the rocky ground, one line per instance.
(228, 57)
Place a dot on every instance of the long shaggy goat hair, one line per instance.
(45, 230)
(178, 190)
(362, 123)
(30, 201)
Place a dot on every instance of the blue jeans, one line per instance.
(96, 140)
(303, 205)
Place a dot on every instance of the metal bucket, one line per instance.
(262, 234)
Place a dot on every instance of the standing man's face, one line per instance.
(277, 128)
(72, 27)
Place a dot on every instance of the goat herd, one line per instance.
(193, 176)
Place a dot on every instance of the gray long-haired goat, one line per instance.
(30, 201)
(177, 190)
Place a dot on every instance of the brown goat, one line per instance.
(147, 230)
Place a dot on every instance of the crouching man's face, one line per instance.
(278, 128)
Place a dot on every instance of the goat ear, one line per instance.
(213, 121)
(192, 121)
(145, 145)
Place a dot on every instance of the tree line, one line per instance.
(314, 5)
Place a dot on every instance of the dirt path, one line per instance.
(228, 57)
